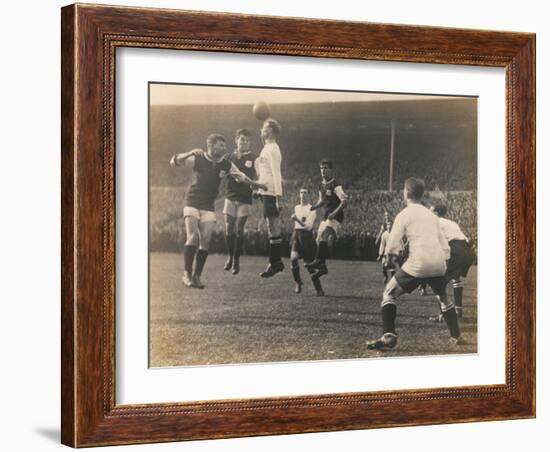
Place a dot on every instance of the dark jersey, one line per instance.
(204, 187)
(236, 191)
(330, 199)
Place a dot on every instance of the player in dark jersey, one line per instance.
(238, 199)
(209, 168)
(333, 199)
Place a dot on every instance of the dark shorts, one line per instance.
(462, 258)
(270, 206)
(303, 243)
(409, 283)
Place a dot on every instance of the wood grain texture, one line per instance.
(90, 36)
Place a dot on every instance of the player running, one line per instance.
(462, 257)
(209, 168)
(428, 253)
(303, 242)
(333, 199)
(238, 200)
(268, 168)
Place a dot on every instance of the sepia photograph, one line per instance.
(290, 225)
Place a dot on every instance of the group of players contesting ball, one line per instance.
(437, 250)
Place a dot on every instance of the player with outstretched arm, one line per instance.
(209, 168)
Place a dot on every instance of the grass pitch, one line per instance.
(248, 319)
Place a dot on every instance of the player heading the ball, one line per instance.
(268, 167)
(209, 168)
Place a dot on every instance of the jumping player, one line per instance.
(462, 257)
(268, 168)
(333, 199)
(428, 252)
(238, 200)
(209, 168)
(303, 242)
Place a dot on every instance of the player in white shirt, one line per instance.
(462, 257)
(303, 243)
(382, 254)
(428, 253)
(268, 169)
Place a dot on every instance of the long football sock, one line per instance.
(316, 283)
(230, 239)
(389, 313)
(200, 261)
(275, 249)
(296, 271)
(458, 288)
(322, 251)
(452, 321)
(188, 257)
(238, 246)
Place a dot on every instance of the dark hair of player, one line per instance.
(213, 138)
(245, 132)
(440, 210)
(326, 162)
(415, 188)
(273, 125)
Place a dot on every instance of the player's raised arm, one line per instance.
(185, 158)
(243, 178)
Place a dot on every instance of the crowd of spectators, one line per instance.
(364, 217)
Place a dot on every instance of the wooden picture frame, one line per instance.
(90, 37)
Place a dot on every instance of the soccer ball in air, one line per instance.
(261, 110)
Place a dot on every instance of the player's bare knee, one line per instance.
(204, 243)
(192, 239)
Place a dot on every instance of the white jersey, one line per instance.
(383, 242)
(268, 168)
(428, 247)
(306, 216)
(451, 230)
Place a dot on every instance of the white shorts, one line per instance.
(204, 216)
(333, 224)
(236, 209)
